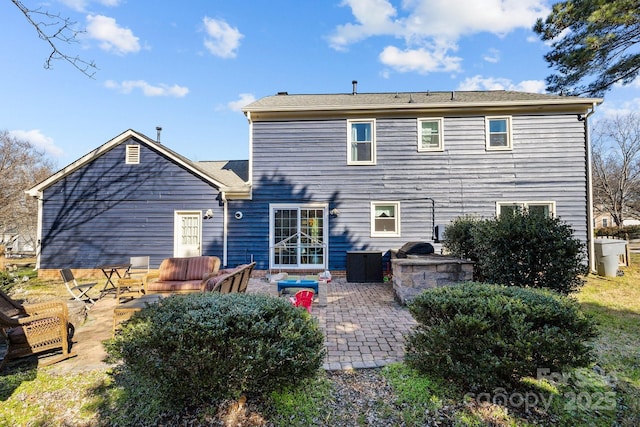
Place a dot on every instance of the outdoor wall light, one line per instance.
(208, 214)
(335, 212)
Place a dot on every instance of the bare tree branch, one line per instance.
(54, 29)
(21, 167)
(616, 167)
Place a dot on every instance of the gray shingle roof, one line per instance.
(400, 100)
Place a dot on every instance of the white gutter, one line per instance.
(39, 196)
(590, 237)
(248, 114)
(225, 223)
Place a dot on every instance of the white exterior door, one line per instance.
(187, 234)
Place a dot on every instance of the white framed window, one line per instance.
(547, 208)
(361, 142)
(605, 222)
(430, 136)
(498, 133)
(132, 156)
(385, 219)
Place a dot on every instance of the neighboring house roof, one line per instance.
(407, 101)
(218, 174)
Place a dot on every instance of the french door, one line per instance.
(298, 236)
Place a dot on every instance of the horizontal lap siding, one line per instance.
(305, 161)
(108, 211)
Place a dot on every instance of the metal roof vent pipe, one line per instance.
(355, 87)
(158, 130)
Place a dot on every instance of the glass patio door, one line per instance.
(298, 236)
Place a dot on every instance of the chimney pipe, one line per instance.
(355, 87)
(158, 130)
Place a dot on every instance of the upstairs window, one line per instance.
(385, 219)
(132, 156)
(498, 133)
(430, 135)
(361, 148)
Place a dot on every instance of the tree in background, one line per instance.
(616, 167)
(54, 30)
(21, 167)
(594, 45)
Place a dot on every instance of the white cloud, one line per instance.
(419, 60)
(38, 140)
(427, 25)
(147, 89)
(492, 56)
(245, 99)
(610, 109)
(81, 5)
(222, 39)
(112, 37)
(496, 83)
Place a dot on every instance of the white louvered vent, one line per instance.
(133, 155)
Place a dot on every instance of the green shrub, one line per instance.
(6, 281)
(485, 336)
(202, 347)
(459, 241)
(529, 250)
(626, 232)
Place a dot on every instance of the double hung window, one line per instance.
(361, 149)
(430, 135)
(385, 219)
(536, 208)
(498, 131)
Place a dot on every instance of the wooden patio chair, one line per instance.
(79, 292)
(30, 329)
(246, 275)
(131, 285)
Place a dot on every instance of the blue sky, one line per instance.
(190, 66)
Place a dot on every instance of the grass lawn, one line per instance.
(603, 395)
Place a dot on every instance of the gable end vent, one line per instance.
(133, 155)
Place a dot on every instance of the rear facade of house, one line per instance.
(327, 175)
(369, 172)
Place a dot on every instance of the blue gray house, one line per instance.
(133, 196)
(327, 174)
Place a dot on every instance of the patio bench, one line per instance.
(181, 275)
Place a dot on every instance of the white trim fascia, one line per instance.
(108, 146)
(587, 102)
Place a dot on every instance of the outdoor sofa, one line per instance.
(181, 275)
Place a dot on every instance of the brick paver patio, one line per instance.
(363, 324)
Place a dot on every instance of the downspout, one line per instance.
(38, 242)
(225, 223)
(250, 177)
(590, 242)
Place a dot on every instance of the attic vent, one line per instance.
(133, 155)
